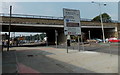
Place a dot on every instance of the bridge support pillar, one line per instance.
(61, 37)
(51, 37)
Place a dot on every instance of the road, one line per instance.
(97, 47)
(56, 60)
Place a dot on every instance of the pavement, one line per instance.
(0, 62)
(56, 60)
(9, 64)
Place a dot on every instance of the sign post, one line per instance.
(71, 22)
(78, 44)
(82, 42)
(68, 42)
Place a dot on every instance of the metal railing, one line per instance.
(46, 17)
(37, 16)
(31, 16)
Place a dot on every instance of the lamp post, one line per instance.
(9, 29)
(101, 19)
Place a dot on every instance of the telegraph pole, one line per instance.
(9, 29)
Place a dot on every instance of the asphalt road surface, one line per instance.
(97, 47)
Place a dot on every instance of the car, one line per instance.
(91, 41)
(73, 40)
(98, 40)
(113, 39)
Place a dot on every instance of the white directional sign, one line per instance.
(71, 22)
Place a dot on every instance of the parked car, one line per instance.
(73, 40)
(113, 39)
(95, 40)
(91, 41)
(98, 40)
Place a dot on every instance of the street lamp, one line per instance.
(101, 19)
(9, 29)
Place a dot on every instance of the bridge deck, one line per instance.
(25, 21)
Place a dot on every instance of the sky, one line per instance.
(87, 9)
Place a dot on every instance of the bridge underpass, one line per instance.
(97, 32)
(48, 25)
(50, 32)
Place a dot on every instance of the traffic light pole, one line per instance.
(9, 29)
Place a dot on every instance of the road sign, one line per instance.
(71, 22)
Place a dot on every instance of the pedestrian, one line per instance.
(2, 45)
(10, 43)
(106, 39)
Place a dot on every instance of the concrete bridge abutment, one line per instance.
(61, 38)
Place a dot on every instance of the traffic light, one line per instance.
(68, 42)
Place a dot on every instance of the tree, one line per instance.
(105, 18)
